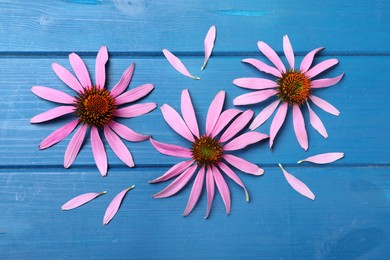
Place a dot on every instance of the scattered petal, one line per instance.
(316, 122)
(58, 135)
(208, 45)
(53, 95)
(299, 127)
(74, 146)
(323, 158)
(118, 147)
(254, 97)
(195, 191)
(297, 185)
(177, 64)
(81, 200)
(114, 205)
(264, 115)
(255, 83)
(171, 150)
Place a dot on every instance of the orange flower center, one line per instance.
(294, 87)
(206, 151)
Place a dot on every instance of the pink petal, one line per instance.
(134, 94)
(81, 200)
(255, 83)
(58, 135)
(214, 111)
(99, 153)
(229, 172)
(118, 147)
(177, 64)
(297, 185)
(308, 59)
(236, 126)
(171, 150)
(53, 95)
(195, 191)
(123, 82)
(288, 51)
(223, 189)
(188, 112)
(243, 165)
(173, 171)
(264, 115)
(320, 67)
(74, 146)
(114, 205)
(254, 97)
(323, 158)
(100, 67)
(126, 133)
(224, 120)
(277, 122)
(177, 184)
(208, 45)
(80, 69)
(67, 77)
(175, 121)
(263, 67)
(244, 140)
(316, 122)
(299, 127)
(271, 55)
(324, 105)
(324, 83)
(210, 187)
(52, 113)
(135, 110)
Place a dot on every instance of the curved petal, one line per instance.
(308, 59)
(100, 67)
(243, 165)
(316, 122)
(210, 187)
(74, 146)
(52, 113)
(255, 83)
(118, 147)
(236, 126)
(175, 121)
(188, 112)
(229, 172)
(99, 153)
(323, 158)
(223, 189)
(277, 122)
(114, 205)
(299, 127)
(208, 45)
(134, 94)
(53, 95)
(80, 69)
(324, 105)
(195, 191)
(254, 97)
(171, 150)
(173, 171)
(126, 133)
(81, 200)
(214, 111)
(324, 83)
(58, 135)
(297, 185)
(263, 67)
(264, 115)
(288, 51)
(224, 120)
(177, 64)
(123, 82)
(271, 55)
(67, 77)
(135, 110)
(321, 67)
(244, 140)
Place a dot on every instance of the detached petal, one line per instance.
(67, 77)
(229, 172)
(98, 150)
(223, 189)
(114, 205)
(81, 200)
(74, 146)
(324, 105)
(175, 121)
(173, 171)
(297, 185)
(134, 94)
(264, 115)
(321, 67)
(243, 165)
(323, 158)
(58, 135)
(123, 82)
(214, 111)
(308, 59)
(135, 110)
(80, 69)
(171, 150)
(126, 133)
(271, 55)
(255, 83)
(277, 122)
(118, 147)
(195, 191)
(244, 140)
(254, 97)
(100, 67)
(263, 67)
(188, 112)
(316, 122)
(53, 95)
(210, 187)
(208, 45)
(224, 120)
(288, 51)
(324, 83)
(299, 127)
(236, 126)
(52, 113)
(177, 64)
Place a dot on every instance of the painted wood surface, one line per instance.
(348, 219)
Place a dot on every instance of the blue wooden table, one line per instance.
(348, 219)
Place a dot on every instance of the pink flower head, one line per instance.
(292, 87)
(96, 108)
(207, 155)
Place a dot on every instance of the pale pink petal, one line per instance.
(175, 121)
(100, 67)
(53, 95)
(323, 158)
(224, 120)
(123, 82)
(80, 69)
(244, 140)
(114, 205)
(324, 83)
(236, 126)
(229, 172)
(255, 83)
(177, 184)
(288, 51)
(171, 150)
(243, 165)
(320, 67)
(173, 171)
(214, 111)
(135, 110)
(210, 187)
(277, 122)
(118, 147)
(58, 135)
(308, 59)
(134, 94)
(271, 55)
(264, 115)
(297, 185)
(99, 153)
(74, 146)
(263, 67)
(67, 77)
(52, 113)
(208, 45)
(195, 191)
(324, 105)
(126, 133)
(254, 97)
(81, 200)
(177, 64)
(316, 122)
(299, 127)
(188, 112)
(223, 189)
